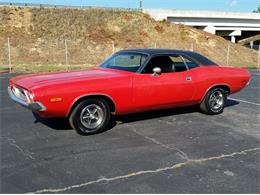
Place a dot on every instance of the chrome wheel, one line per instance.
(216, 100)
(91, 116)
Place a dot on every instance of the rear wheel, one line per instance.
(214, 101)
(90, 116)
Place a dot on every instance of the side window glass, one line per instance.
(190, 64)
(163, 62)
(169, 63)
(128, 62)
(178, 63)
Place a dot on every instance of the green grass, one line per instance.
(4, 69)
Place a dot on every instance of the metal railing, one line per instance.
(34, 5)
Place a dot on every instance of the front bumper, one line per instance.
(34, 106)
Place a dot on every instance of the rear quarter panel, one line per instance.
(211, 76)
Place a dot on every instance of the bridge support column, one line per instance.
(234, 34)
(233, 39)
(210, 29)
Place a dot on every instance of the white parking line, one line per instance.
(253, 103)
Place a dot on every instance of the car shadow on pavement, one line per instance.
(54, 123)
(63, 123)
(165, 112)
(230, 103)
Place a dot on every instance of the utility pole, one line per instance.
(258, 66)
(228, 51)
(9, 54)
(66, 54)
(141, 4)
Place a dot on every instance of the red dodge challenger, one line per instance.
(129, 81)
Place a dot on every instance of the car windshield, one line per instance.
(130, 62)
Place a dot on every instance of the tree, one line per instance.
(257, 10)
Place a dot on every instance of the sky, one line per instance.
(216, 5)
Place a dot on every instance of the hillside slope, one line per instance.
(37, 36)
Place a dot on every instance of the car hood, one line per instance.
(38, 80)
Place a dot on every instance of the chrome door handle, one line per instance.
(188, 79)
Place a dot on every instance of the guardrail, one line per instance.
(34, 5)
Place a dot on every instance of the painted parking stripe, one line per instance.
(247, 102)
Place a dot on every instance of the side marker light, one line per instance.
(57, 99)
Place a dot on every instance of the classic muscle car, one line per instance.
(129, 81)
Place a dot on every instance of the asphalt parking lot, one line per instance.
(167, 151)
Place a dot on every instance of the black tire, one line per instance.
(207, 105)
(82, 114)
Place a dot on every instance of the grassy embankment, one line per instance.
(37, 38)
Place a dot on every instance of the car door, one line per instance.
(165, 89)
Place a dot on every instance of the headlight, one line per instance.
(20, 93)
(29, 96)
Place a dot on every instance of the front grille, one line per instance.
(19, 93)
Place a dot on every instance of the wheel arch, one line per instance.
(105, 97)
(224, 86)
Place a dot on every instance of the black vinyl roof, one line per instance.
(202, 60)
(151, 51)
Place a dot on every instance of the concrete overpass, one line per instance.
(230, 25)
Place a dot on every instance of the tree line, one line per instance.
(257, 10)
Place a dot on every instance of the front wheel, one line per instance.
(91, 116)
(214, 101)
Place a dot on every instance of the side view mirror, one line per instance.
(156, 71)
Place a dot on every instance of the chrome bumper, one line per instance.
(34, 106)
